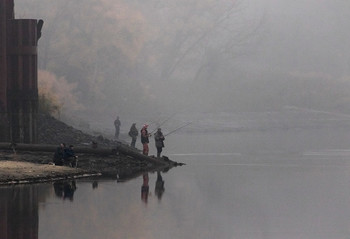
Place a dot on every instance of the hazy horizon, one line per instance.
(145, 58)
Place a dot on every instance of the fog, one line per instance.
(137, 58)
(265, 84)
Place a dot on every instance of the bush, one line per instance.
(48, 105)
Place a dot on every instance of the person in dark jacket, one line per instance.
(117, 127)
(159, 140)
(145, 139)
(133, 133)
(69, 156)
(59, 155)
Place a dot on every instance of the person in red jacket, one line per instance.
(145, 139)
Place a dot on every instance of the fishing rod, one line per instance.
(155, 122)
(171, 116)
(178, 128)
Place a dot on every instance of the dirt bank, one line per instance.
(13, 172)
(30, 167)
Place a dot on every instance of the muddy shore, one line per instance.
(17, 167)
(34, 167)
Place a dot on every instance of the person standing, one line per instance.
(117, 127)
(59, 155)
(133, 133)
(159, 140)
(145, 139)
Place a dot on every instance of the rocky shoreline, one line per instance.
(17, 167)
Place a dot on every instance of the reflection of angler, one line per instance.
(159, 189)
(145, 188)
(65, 189)
(94, 184)
(69, 189)
(58, 187)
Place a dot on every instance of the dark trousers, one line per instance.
(116, 135)
(159, 151)
(133, 142)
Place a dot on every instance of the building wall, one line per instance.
(18, 76)
(6, 13)
(22, 87)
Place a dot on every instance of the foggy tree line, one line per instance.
(149, 55)
(121, 53)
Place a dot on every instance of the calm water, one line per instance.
(261, 184)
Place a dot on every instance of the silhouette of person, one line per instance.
(159, 141)
(159, 188)
(145, 188)
(133, 133)
(117, 127)
(59, 155)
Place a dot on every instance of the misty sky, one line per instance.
(309, 36)
(293, 53)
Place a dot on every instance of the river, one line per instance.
(285, 182)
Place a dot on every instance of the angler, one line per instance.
(145, 139)
(159, 141)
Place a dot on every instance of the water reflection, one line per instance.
(94, 184)
(65, 190)
(159, 188)
(19, 211)
(41, 211)
(145, 188)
